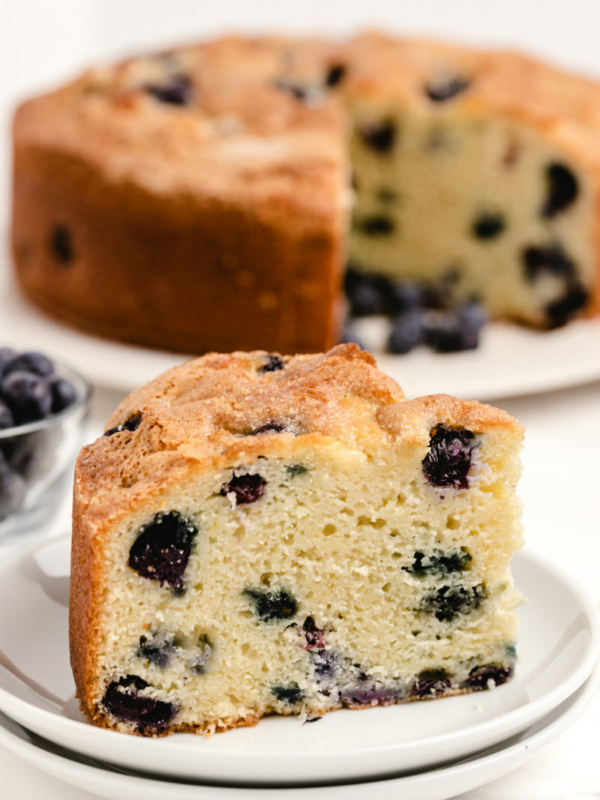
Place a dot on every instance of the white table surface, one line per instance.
(561, 493)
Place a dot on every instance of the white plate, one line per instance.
(560, 643)
(436, 784)
(510, 361)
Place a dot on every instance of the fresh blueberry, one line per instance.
(13, 489)
(335, 75)
(563, 189)
(6, 418)
(379, 137)
(563, 310)
(449, 602)
(457, 330)
(63, 394)
(488, 225)
(273, 363)
(61, 244)
(407, 332)
(32, 361)
(431, 683)
(132, 423)
(480, 677)
(27, 395)
(162, 550)
(439, 562)
(406, 296)
(367, 294)
(448, 461)
(7, 354)
(291, 694)
(446, 89)
(157, 649)
(245, 488)
(375, 225)
(272, 606)
(177, 91)
(549, 259)
(122, 700)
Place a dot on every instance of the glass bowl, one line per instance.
(37, 460)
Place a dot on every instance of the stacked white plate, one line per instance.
(421, 751)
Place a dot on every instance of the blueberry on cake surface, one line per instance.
(357, 554)
(253, 166)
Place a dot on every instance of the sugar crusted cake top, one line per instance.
(219, 411)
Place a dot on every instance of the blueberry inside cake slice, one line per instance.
(257, 534)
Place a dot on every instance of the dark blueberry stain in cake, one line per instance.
(562, 189)
(444, 89)
(61, 244)
(245, 488)
(439, 563)
(273, 363)
(380, 136)
(293, 470)
(291, 694)
(198, 663)
(375, 225)
(326, 664)
(162, 550)
(449, 458)
(313, 635)
(272, 606)
(488, 225)
(270, 427)
(480, 677)
(449, 602)
(561, 311)
(550, 259)
(431, 683)
(386, 196)
(407, 331)
(157, 649)
(176, 91)
(368, 693)
(335, 75)
(122, 700)
(132, 423)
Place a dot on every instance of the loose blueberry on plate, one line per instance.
(407, 332)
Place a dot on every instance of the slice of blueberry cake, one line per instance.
(257, 534)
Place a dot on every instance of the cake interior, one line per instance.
(479, 207)
(314, 579)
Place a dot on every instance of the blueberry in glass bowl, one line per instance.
(43, 410)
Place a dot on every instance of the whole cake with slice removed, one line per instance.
(257, 534)
(206, 198)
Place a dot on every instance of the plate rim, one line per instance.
(509, 723)
(477, 770)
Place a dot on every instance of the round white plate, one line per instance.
(560, 643)
(510, 361)
(437, 784)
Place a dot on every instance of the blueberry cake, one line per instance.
(257, 534)
(217, 189)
